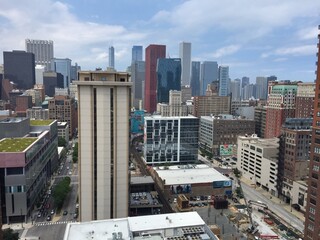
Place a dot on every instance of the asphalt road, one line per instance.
(252, 194)
(54, 229)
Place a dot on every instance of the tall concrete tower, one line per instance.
(185, 55)
(104, 134)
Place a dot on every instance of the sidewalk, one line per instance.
(275, 200)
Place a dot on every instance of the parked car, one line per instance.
(49, 218)
(296, 206)
(52, 212)
(39, 215)
(65, 212)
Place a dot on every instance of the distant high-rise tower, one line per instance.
(63, 66)
(153, 52)
(19, 67)
(245, 81)
(138, 69)
(261, 88)
(111, 57)
(312, 215)
(235, 89)
(42, 50)
(185, 56)
(104, 134)
(136, 53)
(208, 74)
(168, 77)
(224, 81)
(195, 78)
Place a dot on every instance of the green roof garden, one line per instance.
(40, 122)
(15, 144)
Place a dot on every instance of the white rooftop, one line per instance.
(132, 227)
(190, 174)
(159, 117)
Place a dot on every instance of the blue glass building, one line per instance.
(168, 77)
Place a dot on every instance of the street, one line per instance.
(54, 229)
(252, 194)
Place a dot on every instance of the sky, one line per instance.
(254, 38)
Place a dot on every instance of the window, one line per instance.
(312, 210)
(315, 168)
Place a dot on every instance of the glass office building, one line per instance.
(168, 77)
(171, 139)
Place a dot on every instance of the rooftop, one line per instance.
(190, 174)
(40, 122)
(179, 226)
(15, 144)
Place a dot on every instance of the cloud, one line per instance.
(308, 33)
(253, 18)
(224, 51)
(304, 50)
(73, 37)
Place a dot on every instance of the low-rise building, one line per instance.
(173, 226)
(218, 134)
(63, 130)
(258, 161)
(191, 180)
(38, 113)
(170, 139)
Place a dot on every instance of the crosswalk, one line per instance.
(52, 223)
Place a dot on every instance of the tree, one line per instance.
(75, 153)
(62, 142)
(9, 234)
(61, 191)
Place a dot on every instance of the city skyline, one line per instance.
(269, 38)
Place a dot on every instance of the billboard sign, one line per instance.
(226, 150)
(222, 184)
(181, 188)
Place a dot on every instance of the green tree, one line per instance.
(9, 234)
(61, 191)
(75, 153)
(62, 142)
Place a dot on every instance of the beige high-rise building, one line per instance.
(104, 108)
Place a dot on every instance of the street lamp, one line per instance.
(21, 218)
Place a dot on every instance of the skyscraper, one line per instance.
(111, 57)
(261, 88)
(63, 66)
(245, 81)
(153, 52)
(224, 81)
(185, 56)
(138, 69)
(195, 78)
(19, 67)
(104, 133)
(168, 77)
(42, 50)
(208, 73)
(312, 215)
(136, 53)
(235, 89)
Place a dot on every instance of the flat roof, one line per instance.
(16, 144)
(190, 174)
(13, 120)
(159, 117)
(107, 229)
(40, 122)
(141, 180)
(164, 221)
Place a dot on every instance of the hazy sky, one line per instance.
(255, 38)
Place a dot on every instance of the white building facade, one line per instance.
(257, 161)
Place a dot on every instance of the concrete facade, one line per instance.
(257, 161)
(104, 108)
